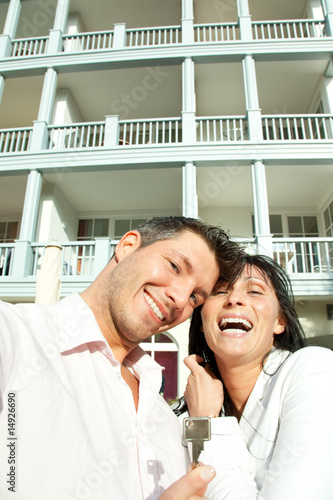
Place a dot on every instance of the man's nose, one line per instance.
(179, 296)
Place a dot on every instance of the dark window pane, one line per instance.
(2, 231)
(11, 231)
(85, 228)
(295, 226)
(121, 227)
(310, 226)
(160, 337)
(137, 222)
(275, 222)
(169, 361)
(101, 227)
(327, 219)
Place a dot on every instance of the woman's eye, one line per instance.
(193, 297)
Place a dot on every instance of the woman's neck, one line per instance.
(239, 382)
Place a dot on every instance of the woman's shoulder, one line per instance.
(311, 359)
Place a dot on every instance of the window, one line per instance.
(307, 254)
(8, 231)
(92, 228)
(275, 224)
(165, 352)
(124, 225)
(328, 220)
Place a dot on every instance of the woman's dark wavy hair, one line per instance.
(292, 339)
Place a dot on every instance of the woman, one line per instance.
(273, 398)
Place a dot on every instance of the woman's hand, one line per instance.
(204, 391)
(192, 486)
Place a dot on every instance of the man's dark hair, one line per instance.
(227, 252)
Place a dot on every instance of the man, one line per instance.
(82, 417)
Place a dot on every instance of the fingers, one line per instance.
(192, 362)
(193, 483)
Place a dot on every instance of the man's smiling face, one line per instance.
(154, 288)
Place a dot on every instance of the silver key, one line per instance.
(196, 430)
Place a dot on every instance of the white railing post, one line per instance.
(244, 20)
(119, 36)
(22, 259)
(111, 137)
(39, 137)
(187, 22)
(102, 254)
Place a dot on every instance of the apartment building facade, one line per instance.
(114, 112)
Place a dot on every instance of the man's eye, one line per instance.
(174, 267)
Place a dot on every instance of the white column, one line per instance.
(2, 86)
(190, 198)
(39, 134)
(31, 205)
(59, 26)
(251, 98)
(261, 210)
(23, 251)
(244, 20)
(328, 12)
(9, 29)
(187, 22)
(188, 104)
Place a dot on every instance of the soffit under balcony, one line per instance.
(146, 189)
(287, 186)
(12, 191)
(150, 92)
(37, 17)
(223, 11)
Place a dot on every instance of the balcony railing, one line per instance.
(298, 29)
(304, 255)
(222, 32)
(297, 127)
(301, 256)
(77, 135)
(25, 47)
(161, 131)
(82, 42)
(221, 129)
(282, 30)
(15, 140)
(6, 258)
(145, 132)
(166, 35)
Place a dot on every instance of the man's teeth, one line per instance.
(154, 307)
(233, 324)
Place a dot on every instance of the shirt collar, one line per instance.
(77, 324)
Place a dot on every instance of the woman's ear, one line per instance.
(130, 242)
(280, 326)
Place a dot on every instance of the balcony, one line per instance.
(166, 36)
(307, 261)
(168, 131)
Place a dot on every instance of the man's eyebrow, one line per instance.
(185, 259)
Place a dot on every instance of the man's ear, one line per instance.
(127, 245)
